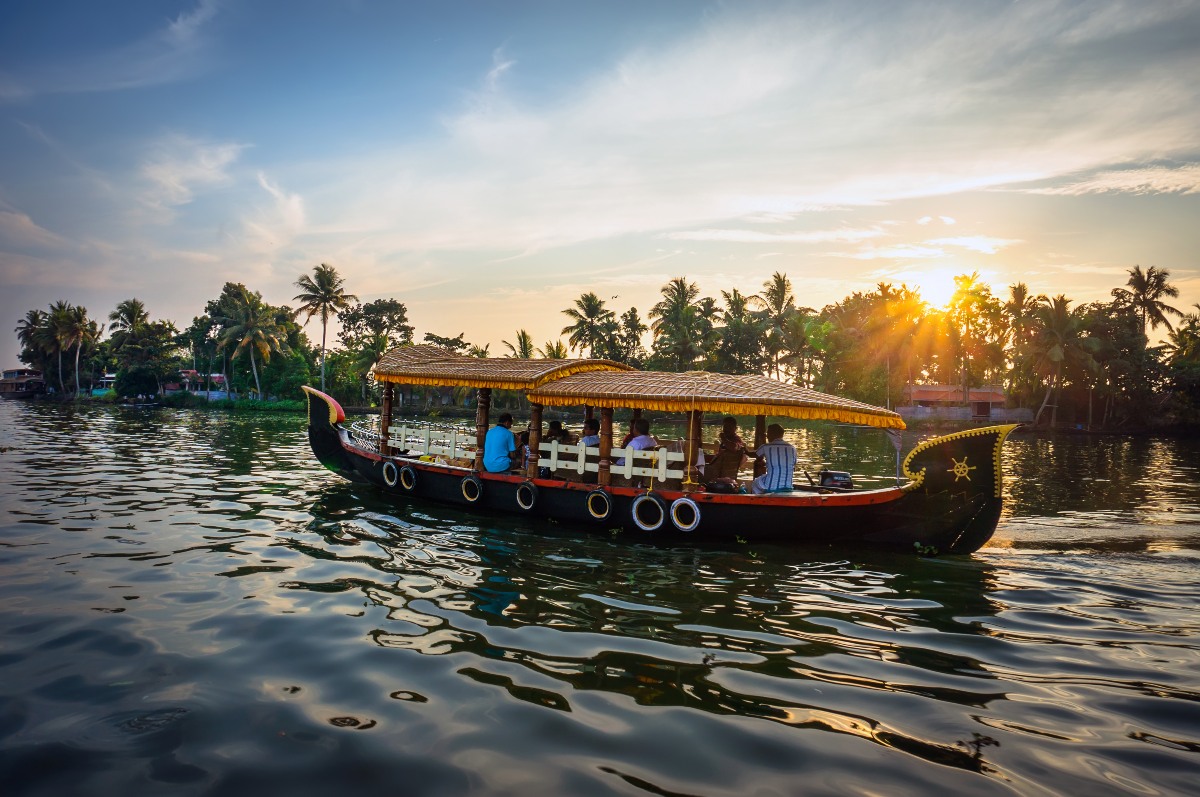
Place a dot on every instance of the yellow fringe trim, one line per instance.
(497, 382)
(686, 404)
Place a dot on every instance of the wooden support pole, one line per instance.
(589, 412)
(604, 477)
(760, 440)
(385, 416)
(691, 448)
(483, 404)
(535, 438)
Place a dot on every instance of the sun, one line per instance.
(936, 285)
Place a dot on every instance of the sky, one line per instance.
(486, 163)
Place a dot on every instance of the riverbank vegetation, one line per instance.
(1066, 360)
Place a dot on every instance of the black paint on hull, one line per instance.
(951, 505)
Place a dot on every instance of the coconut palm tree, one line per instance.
(1058, 341)
(678, 324)
(523, 349)
(739, 346)
(1019, 309)
(777, 302)
(969, 298)
(58, 333)
(554, 350)
(128, 316)
(77, 331)
(31, 329)
(591, 320)
(253, 326)
(322, 294)
(1145, 291)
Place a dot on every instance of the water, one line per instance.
(190, 605)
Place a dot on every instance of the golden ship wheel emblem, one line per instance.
(961, 470)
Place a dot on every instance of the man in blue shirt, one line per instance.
(499, 445)
(780, 457)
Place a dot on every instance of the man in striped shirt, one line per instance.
(780, 458)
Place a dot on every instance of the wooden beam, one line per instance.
(483, 404)
(604, 477)
(385, 416)
(691, 448)
(760, 440)
(535, 438)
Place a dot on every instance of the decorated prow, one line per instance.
(325, 417)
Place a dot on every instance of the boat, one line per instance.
(18, 383)
(948, 501)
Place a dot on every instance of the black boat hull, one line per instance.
(951, 504)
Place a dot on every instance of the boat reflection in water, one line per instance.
(756, 633)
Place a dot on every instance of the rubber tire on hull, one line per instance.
(527, 495)
(390, 474)
(472, 489)
(648, 502)
(690, 510)
(602, 496)
(408, 478)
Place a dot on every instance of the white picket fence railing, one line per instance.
(451, 442)
(655, 462)
(457, 442)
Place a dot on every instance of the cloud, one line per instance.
(19, 232)
(975, 243)
(1145, 180)
(175, 52)
(895, 252)
(757, 236)
(179, 165)
(760, 117)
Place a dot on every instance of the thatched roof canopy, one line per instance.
(709, 392)
(435, 365)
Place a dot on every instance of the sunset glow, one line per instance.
(488, 165)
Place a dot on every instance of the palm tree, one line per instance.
(58, 333)
(1019, 309)
(31, 329)
(678, 325)
(523, 350)
(554, 350)
(1146, 291)
(739, 347)
(129, 316)
(322, 294)
(591, 319)
(1057, 341)
(970, 296)
(77, 331)
(777, 302)
(253, 326)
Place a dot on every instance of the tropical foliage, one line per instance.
(1066, 361)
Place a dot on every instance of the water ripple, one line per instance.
(195, 605)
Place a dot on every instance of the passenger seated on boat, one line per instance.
(730, 454)
(526, 453)
(500, 446)
(780, 458)
(640, 441)
(556, 432)
(591, 432)
(591, 439)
